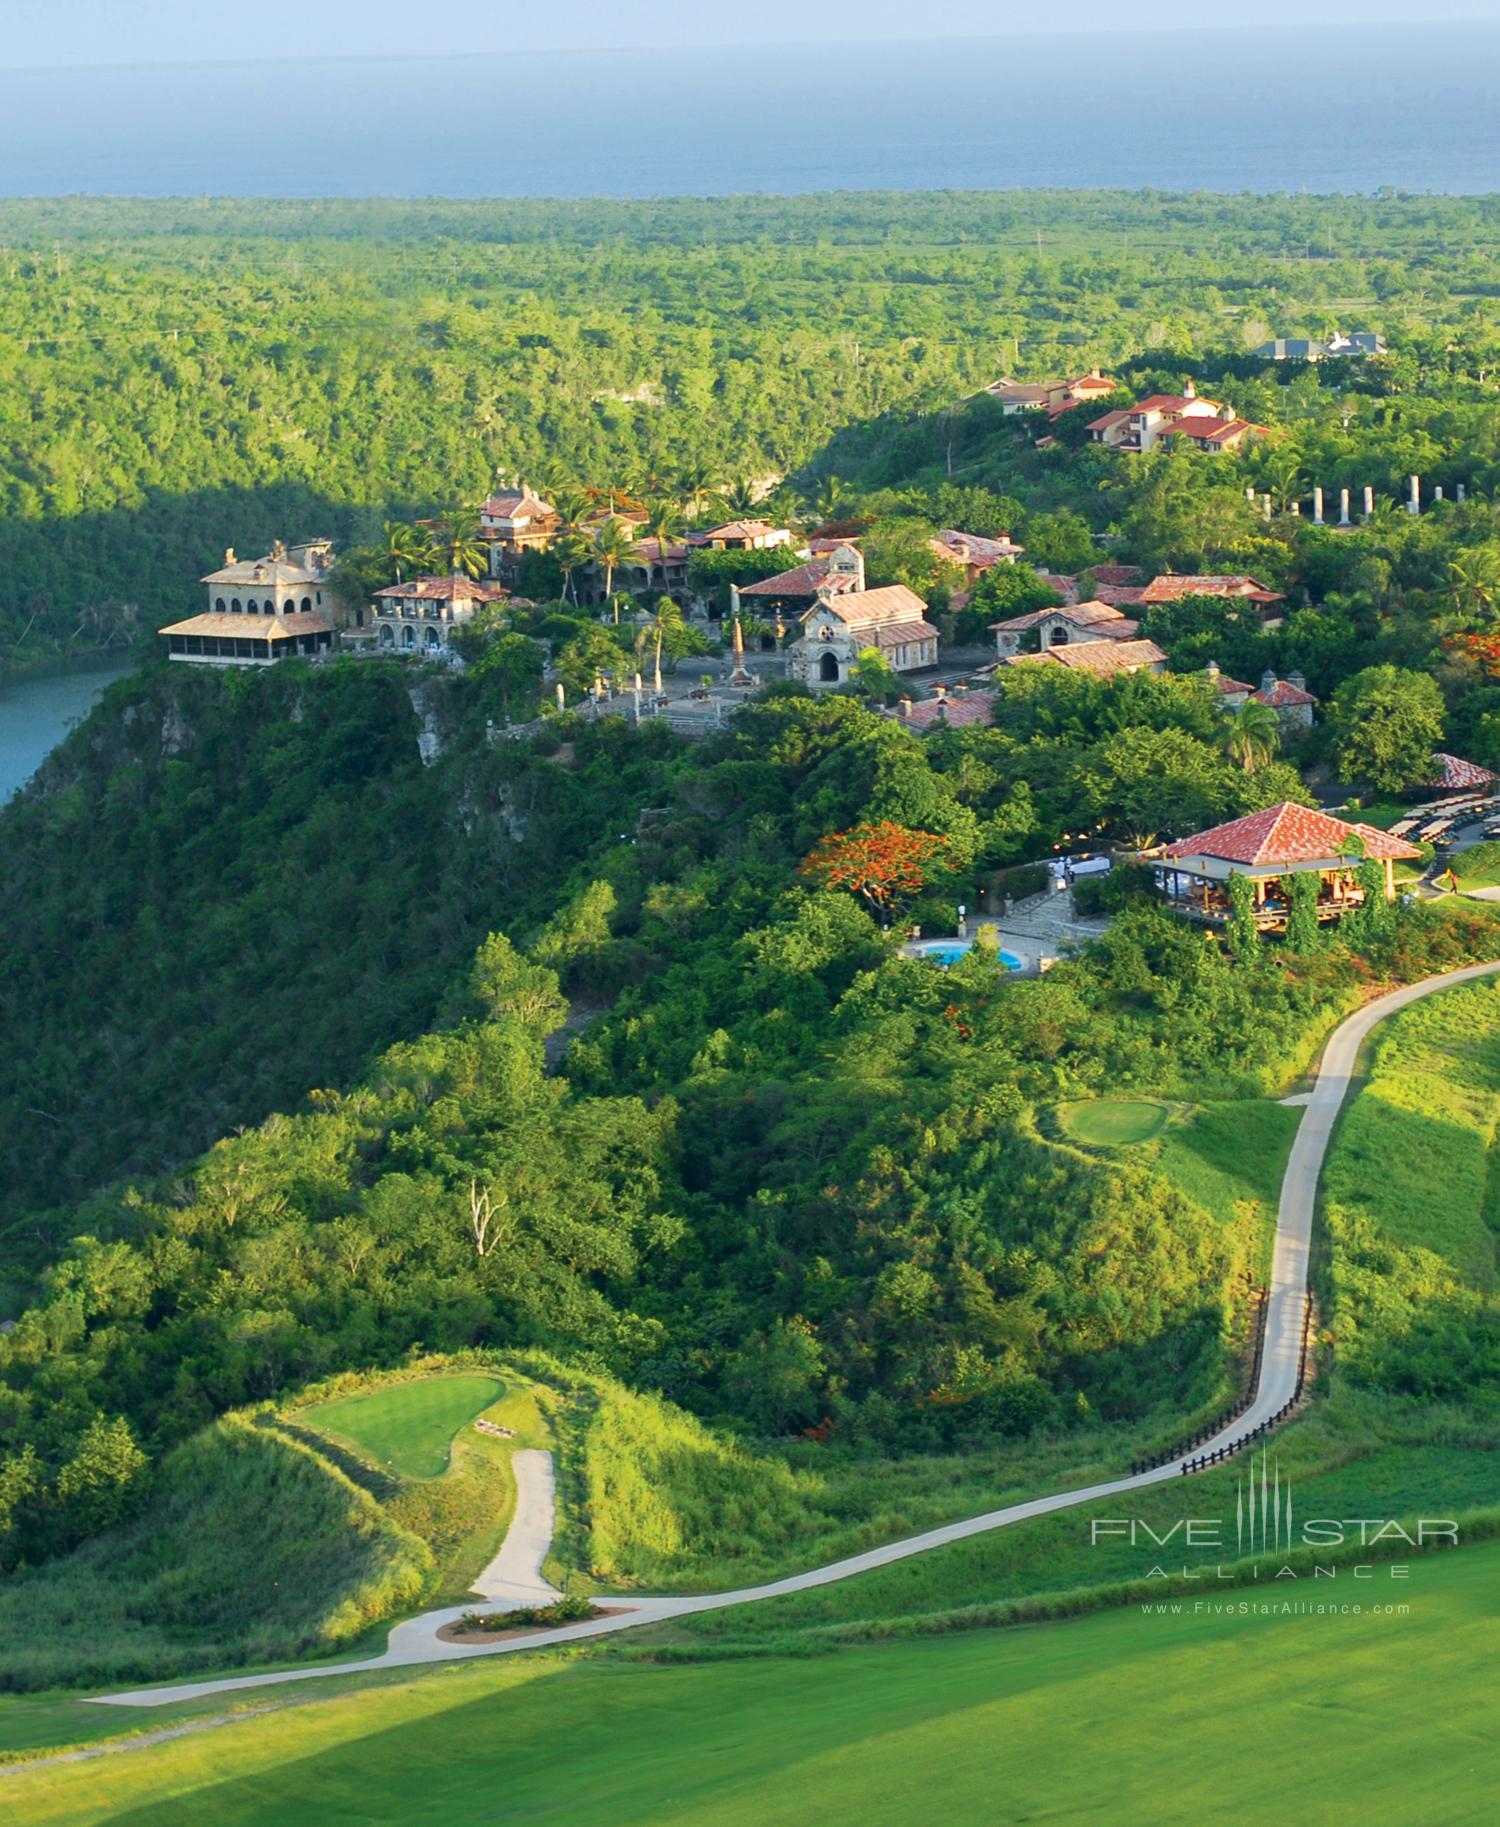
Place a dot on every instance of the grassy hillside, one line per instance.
(1071, 1719)
(251, 1549)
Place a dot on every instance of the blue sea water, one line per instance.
(1323, 109)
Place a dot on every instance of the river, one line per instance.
(35, 715)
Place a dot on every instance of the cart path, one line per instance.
(416, 1641)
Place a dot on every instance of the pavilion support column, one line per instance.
(1390, 880)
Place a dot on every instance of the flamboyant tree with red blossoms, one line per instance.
(1482, 649)
(882, 863)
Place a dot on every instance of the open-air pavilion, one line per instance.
(1269, 848)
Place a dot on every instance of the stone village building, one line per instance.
(846, 618)
(261, 609)
(420, 615)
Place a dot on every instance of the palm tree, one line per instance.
(739, 497)
(615, 545)
(828, 498)
(572, 550)
(1253, 736)
(406, 548)
(666, 621)
(697, 483)
(460, 546)
(1474, 582)
(663, 523)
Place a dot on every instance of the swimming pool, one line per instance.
(947, 952)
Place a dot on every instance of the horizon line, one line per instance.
(893, 40)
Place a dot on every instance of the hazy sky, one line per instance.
(47, 32)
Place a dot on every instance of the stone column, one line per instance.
(1414, 503)
(1265, 506)
(1296, 510)
(1317, 505)
(1437, 493)
(1458, 493)
(1343, 507)
(1250, 494)
(1369, 502)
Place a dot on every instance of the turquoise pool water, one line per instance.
(948, 952)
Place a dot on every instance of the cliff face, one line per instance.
(225, 888)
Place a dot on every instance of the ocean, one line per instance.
(1320, 109)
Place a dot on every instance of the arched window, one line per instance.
(432, 638)
(828, 668)
(288, 607)
(408, 637)
(387, 637)
(252, 607)
(219, 604)
(234, 607)
(307, 605)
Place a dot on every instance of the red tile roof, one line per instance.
(801, 580)
(1103, 658)
(1209, 431)
(1116, 574)
(1115, 594)
(975, 548)
(1282, 696)
(1455, 775)
(1106, 420)
(1287, 834)
(1177, 584)
(442, 589)
(953, 712)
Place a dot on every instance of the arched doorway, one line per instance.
(828, 668)
(387, 638)
(408, 637)
(432, 637)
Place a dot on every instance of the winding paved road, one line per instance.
(416, 1641)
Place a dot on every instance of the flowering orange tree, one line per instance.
(1483, 649)
(880, 862)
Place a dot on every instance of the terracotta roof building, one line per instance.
(1104, 659)
(419, 616)
(290, 586)
(1268, 847)
(1063, 627)
(842, 623)
(953, 710)
(1454, 775)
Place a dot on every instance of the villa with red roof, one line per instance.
(1063, 627)
(420, 615)
(1174, 585)
(1268, 848)
(1052, 397)
(974, 552)
(1103, 659)
(513, 521)
(1141, 427)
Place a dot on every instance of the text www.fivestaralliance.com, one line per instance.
(1273, 1608)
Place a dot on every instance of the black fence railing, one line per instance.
(1262, 1428)
(1220, 1421)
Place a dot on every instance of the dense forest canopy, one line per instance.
(182, 376)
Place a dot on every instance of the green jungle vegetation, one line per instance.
(971, 1727)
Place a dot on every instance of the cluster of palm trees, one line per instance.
(450, 544)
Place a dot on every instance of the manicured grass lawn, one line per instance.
(409, 1426)
(1113, 1122)
(1125, 1717)
(1479, 867)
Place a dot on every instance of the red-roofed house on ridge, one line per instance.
(1269, 847)
(1175, 585)
(513, 521)
(1142, 426)
(420, 615)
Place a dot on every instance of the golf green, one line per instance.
(1113, 1122)
(409, 1426)
(1129, 1717)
